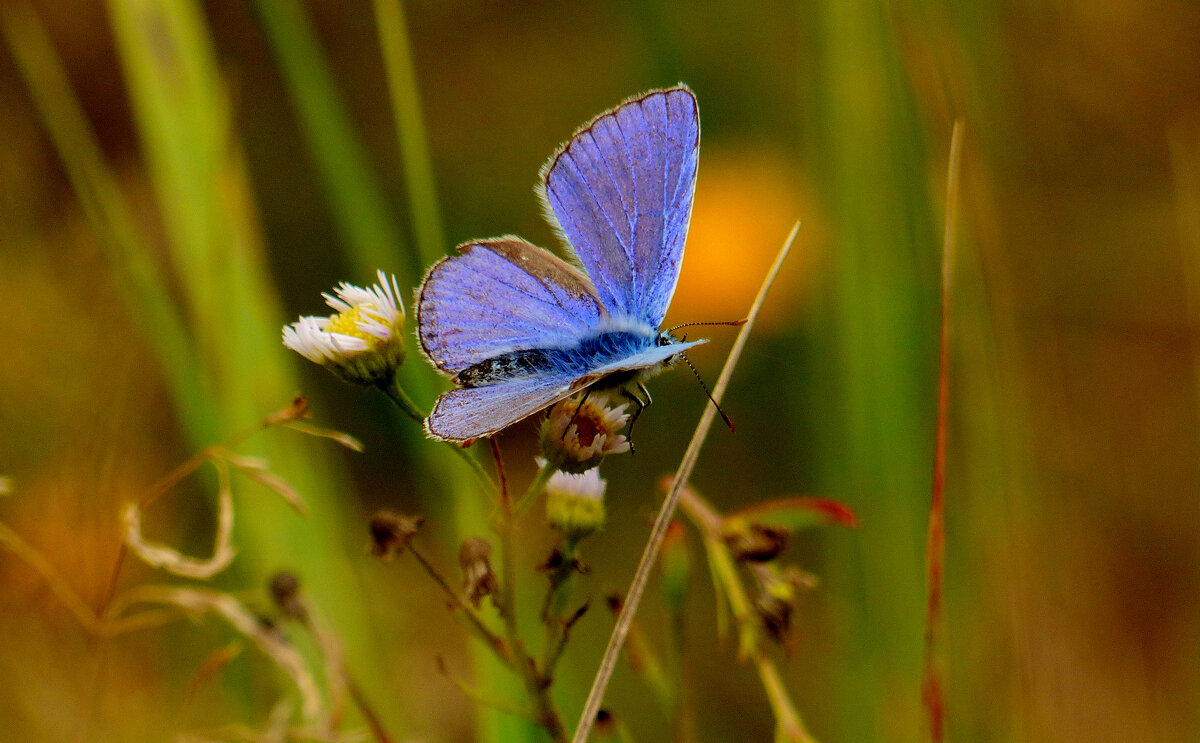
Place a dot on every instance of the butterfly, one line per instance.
(517, 328)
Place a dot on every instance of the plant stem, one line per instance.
(787, 719)
(588, 718)
(59, 586)
(397, 394)
(501, 474)
(502, 650)
(562, 583)
(410, 129)
(536, 684)
(702, 514)
(708, 520)
(535, 488)
(374, 724)
(163, 486)
(401, 399)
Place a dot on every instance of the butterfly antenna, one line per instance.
(704, 386)
(731, 323)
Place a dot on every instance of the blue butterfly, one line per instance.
(517, 328)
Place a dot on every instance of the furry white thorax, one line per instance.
(624, 324)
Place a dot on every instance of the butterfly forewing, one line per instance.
(621, 192)
(499, 295)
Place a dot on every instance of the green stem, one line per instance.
(497, 645)
(787, 719)
(536, 684)
(535, 488)
(398, 396)
(357, 203)
(562, 585)
(410, 129)
(682, 711)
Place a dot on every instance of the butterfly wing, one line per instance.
(621, 191)
(501, 295)
(474, 412)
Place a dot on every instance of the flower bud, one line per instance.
(575, 503)
(580, 431)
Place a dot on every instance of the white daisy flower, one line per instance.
(577, 436)
(363, 343)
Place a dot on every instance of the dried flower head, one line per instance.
(285, 592)
(479, 579)
(752, 541)
(575, 503)
(606, 724)
(363, 342)
(780, 593)
(774, 607)
(581, 431)
(391, 533)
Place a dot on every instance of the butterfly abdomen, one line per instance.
(589, 353)
(507, 366)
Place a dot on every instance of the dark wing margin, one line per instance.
(500, 295)
(620, 194)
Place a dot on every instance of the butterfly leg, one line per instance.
(586, 392)
(641, 405)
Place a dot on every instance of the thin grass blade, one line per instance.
(667, 511)
(933, 673)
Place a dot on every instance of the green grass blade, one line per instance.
(110, 215)
(410, 130)
(199, 178)
(356, 200)
(464, 506)
(881, 334)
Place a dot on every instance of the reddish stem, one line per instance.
(935, 544)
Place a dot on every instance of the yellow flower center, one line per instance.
(346, 323)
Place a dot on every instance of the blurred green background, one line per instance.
(180, 179)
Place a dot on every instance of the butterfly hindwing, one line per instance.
(646, 358)
(499, 295)
(474, 412)
(621, 193)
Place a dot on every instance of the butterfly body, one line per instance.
(592, 352)
(517, 328)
